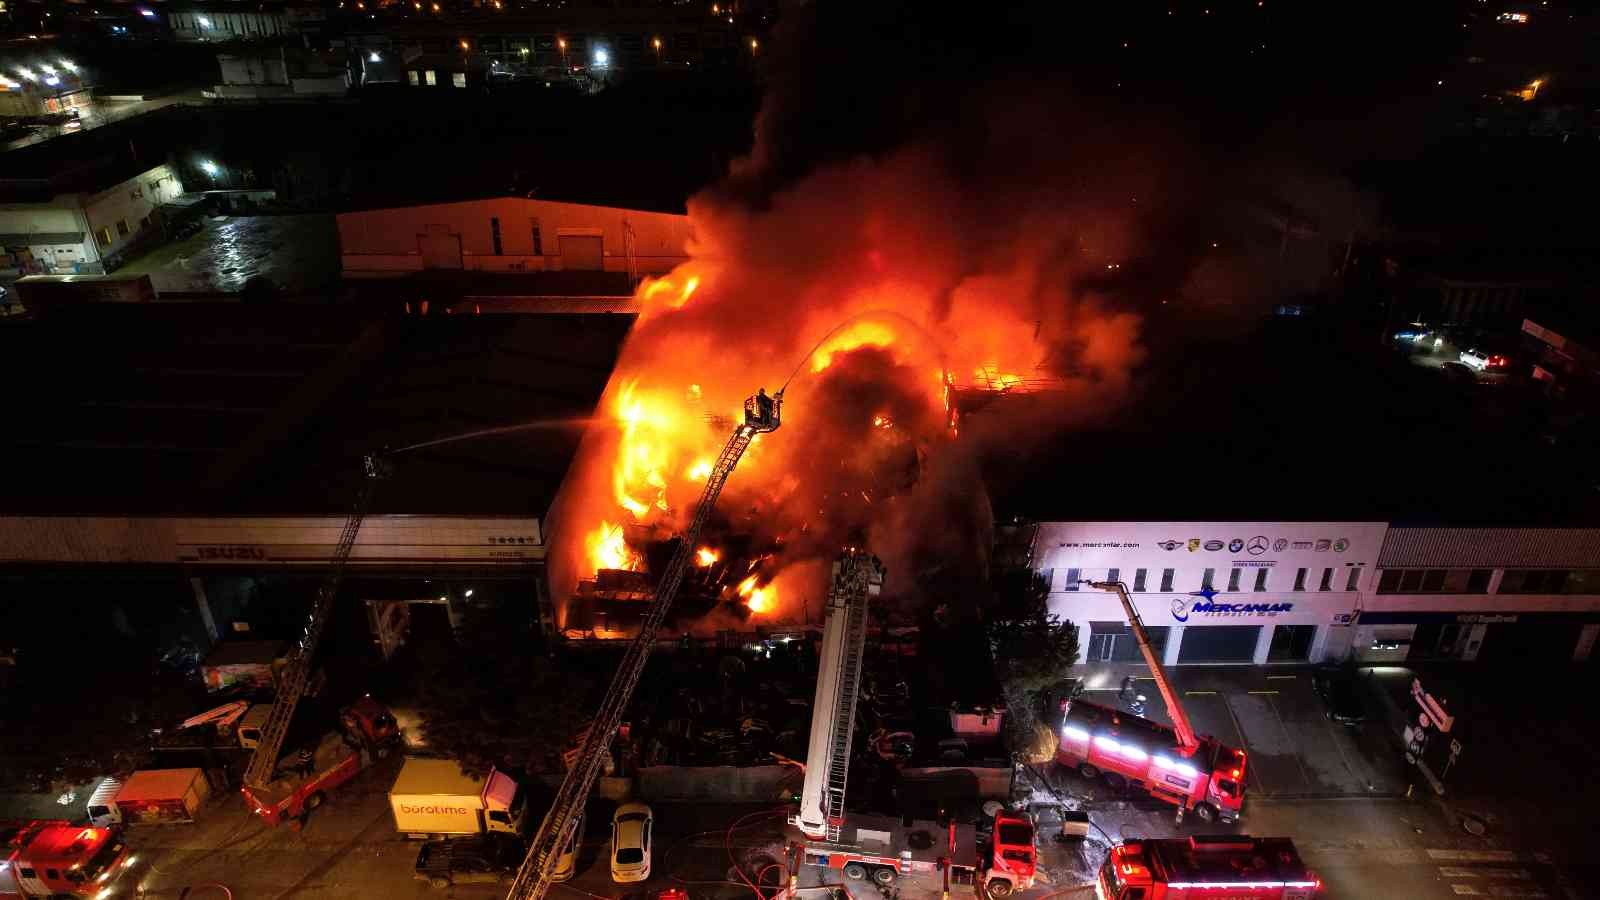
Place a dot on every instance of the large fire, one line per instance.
(865, 294)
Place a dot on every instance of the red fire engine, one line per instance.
(366, 729)
(880, 847)
(1220, 867)
(1173, 764)
(56, 858)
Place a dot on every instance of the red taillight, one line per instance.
(1237, 772)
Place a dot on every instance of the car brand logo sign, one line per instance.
(1323, 545)
(1213, 545)
(1235, 545)
(1280, 545)
(1194, 544)
(1257, 545)
(1301, 545)
(1169, 544)
(1341, 545)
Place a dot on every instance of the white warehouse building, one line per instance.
(1306, 592)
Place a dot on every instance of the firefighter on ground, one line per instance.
(305, 762)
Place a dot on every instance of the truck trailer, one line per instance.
(433, 798)
(150, 797)
(1212, 867)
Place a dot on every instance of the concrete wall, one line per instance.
(727, 784)
(132, 202)
(379, 242)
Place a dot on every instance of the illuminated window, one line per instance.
(459, 79)
(103, 236)
(431, 77)
(122, 227)
(411, 76)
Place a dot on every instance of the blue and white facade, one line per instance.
(1306, 592)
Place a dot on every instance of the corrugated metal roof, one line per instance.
(1491, 547)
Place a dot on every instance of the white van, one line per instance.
(103, 804)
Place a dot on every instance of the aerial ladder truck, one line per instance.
(1171, 763)
(882, 848)
(366, 725)
(761, 415)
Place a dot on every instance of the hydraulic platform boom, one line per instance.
(1188, 743)
(534, 878)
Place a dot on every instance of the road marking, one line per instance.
(1282, 677)
(1250, 771)
(1199, 693)
(1496, 856)
(1290, 738)
(1464, 889)
(1464, 872)
(1262, 692)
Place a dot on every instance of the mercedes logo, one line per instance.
(1257, 545)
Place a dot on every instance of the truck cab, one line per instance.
(1013, 861)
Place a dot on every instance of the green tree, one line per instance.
(495, 698)
(1033, 651)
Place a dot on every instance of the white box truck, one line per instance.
(433, 799)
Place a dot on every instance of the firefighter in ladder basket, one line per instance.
(761, 411)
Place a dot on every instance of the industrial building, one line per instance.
(85, 228)
(1298, 592)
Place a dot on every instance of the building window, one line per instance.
(411, 76)
(103, 236)
(494, 233)
(1138, 579)
(1113, 575)
(1073, 577)
(1327, 580)
(1478, 581)
(122, 227)
(1261, 580)
(538, 242)
(1534, 581)
(1233, 579)
(430, 77)
(459, 79)
(1206, 578)
(1299, 579)
(1166, 579)
(1354, 579)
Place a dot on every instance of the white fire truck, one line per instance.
(879, 847)
(1173, 764)
(1220, 867)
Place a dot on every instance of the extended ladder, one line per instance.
(297, 673)
(534, 878)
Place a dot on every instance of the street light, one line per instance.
(374, 57)
(601, 58)
(209, 167)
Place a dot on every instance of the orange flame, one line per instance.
(862, 334)
(706, 556)
(759, 599)
(609, 549)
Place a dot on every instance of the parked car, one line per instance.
(1342, 695)
(630, 843)
(1484, 360)
(567, 862)
(472, 860)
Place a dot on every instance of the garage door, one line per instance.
(1113, 642)
(1219, 643)
(582, 252)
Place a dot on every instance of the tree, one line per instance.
(494, 698)
(1033, 651)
